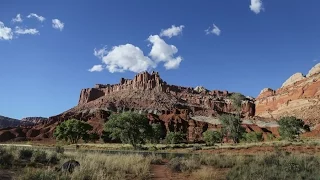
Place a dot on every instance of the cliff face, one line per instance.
(149, 93)
(176, 108)
(299, 96)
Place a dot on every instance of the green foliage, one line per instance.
(129, 127)
(72, 131)
(237, 99)
(175, 137)
(290, 127)
(53, 158)
(212, 137)
(106, 136)
(92, 137)
(231, 127)
(253, 137)
(6, 158)
(157, 133)
(25, 154)
(40, 157)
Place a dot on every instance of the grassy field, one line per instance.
(34, 163)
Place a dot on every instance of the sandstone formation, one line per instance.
(299, 96)
(176, 108)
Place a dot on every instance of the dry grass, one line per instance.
(100, 166)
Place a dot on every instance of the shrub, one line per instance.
(175, 138)
(179, 164)
(60, 149)
(6, 159)
(53, 158)
(253, 137)
(25, 154)
(211, 137)
(39, 157)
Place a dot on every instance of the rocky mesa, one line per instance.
(187, 109)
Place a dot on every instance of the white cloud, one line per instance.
(173, 31)
(214, 30)
(124, 58)
(19, 30)
(163, 52)
(5, 32)
(17, 19)
(40, 18)
(256, 6)
(57, 24)
(96, 68)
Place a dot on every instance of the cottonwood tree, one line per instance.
(237, 99)
(231, 127)
(129, 127)
(72, 131)
(290, 127)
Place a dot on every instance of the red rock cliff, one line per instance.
(299, 96)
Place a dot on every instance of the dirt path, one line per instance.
(162, 172)
(159, 172)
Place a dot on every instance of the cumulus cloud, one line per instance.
(96, 68)
(5, 32)
(256, 6)
(124, 58)
(213, 30)
(19, 30)
(38, 17)
(173, 31)
(17, 19)
(57, 24)
(163, 52)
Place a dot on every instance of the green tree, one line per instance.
(237, 99)
(290, 127)
(72, 130)
(175, 137)
(157, 133)
(212, 137)
(129, 127)
(231, 127)
(92, 137)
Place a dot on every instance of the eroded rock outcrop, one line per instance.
(171, 105)
(300, 97)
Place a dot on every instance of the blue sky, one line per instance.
(43, 68)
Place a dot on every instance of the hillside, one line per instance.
(8, 122)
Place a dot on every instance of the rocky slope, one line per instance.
(299, 96)
(8, 122)
(191, 110)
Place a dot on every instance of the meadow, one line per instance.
(278, 161)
